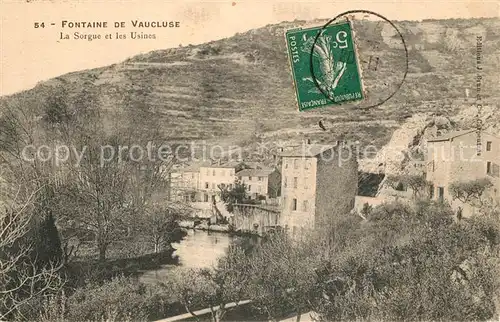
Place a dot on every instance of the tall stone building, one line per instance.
(319, 184)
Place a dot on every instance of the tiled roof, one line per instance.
(230, 165)
(307, 150)
(195, 167)
(254, 172)
(449, 136)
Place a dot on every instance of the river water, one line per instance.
(199, 249)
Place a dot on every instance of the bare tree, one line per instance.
(416, 183)
(160, 225)
(470, 192)
(21, 279)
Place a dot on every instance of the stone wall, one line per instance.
(254, 219)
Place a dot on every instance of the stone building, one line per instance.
(319, 184)
(217, 175)
(187, 182)
(462, 156)
(261, 182)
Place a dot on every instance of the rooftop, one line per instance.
(195, 167)
(306, 150)
(449, 136)
(255, 172)
(231, 164)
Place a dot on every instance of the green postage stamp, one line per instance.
(334, 76)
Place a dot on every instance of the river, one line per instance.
(199, 249)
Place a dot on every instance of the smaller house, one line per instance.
(261, 182)
(462, 156)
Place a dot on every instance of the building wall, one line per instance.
(254, 219)
(256, 186)
(190, 179)
(214, 176)
(184, 185)
(302, 190)
(336, 186)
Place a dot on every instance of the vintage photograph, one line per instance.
(249, 161)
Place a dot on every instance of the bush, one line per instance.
(413, 263)
(121, 299)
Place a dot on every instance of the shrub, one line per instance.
(121, 299)
(413, 263)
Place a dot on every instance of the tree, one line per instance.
(215, 287)
(46, 242)
(236, 195)
(160, 225)
(107, 191)
(416, 183)
(25, 276)
(281, 276)
(470, 192)
(401, 254)
(108, 198)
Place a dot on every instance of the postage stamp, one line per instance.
(324, 65)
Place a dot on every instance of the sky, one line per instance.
(29, 55)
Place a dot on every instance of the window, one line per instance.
(259, 189)
(205, 197)
(294, 204)
(249, 178)
(431, 191)
(286, 182)
(208, 172)
(306, 183)
(441, 194)
(295, 182)
(213, 185)
(307, 164)
(249, 187)
(305, 205)
(488, 167)
(213, 173)
(286, 163)
(192, 175)
(261, 178)
(206, 185)
(295, 163)
(488, 146)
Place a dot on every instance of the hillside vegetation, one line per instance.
(242, 85)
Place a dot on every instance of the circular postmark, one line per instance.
(379, 54)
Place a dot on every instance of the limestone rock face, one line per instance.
(467, 117)
(405, 152)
